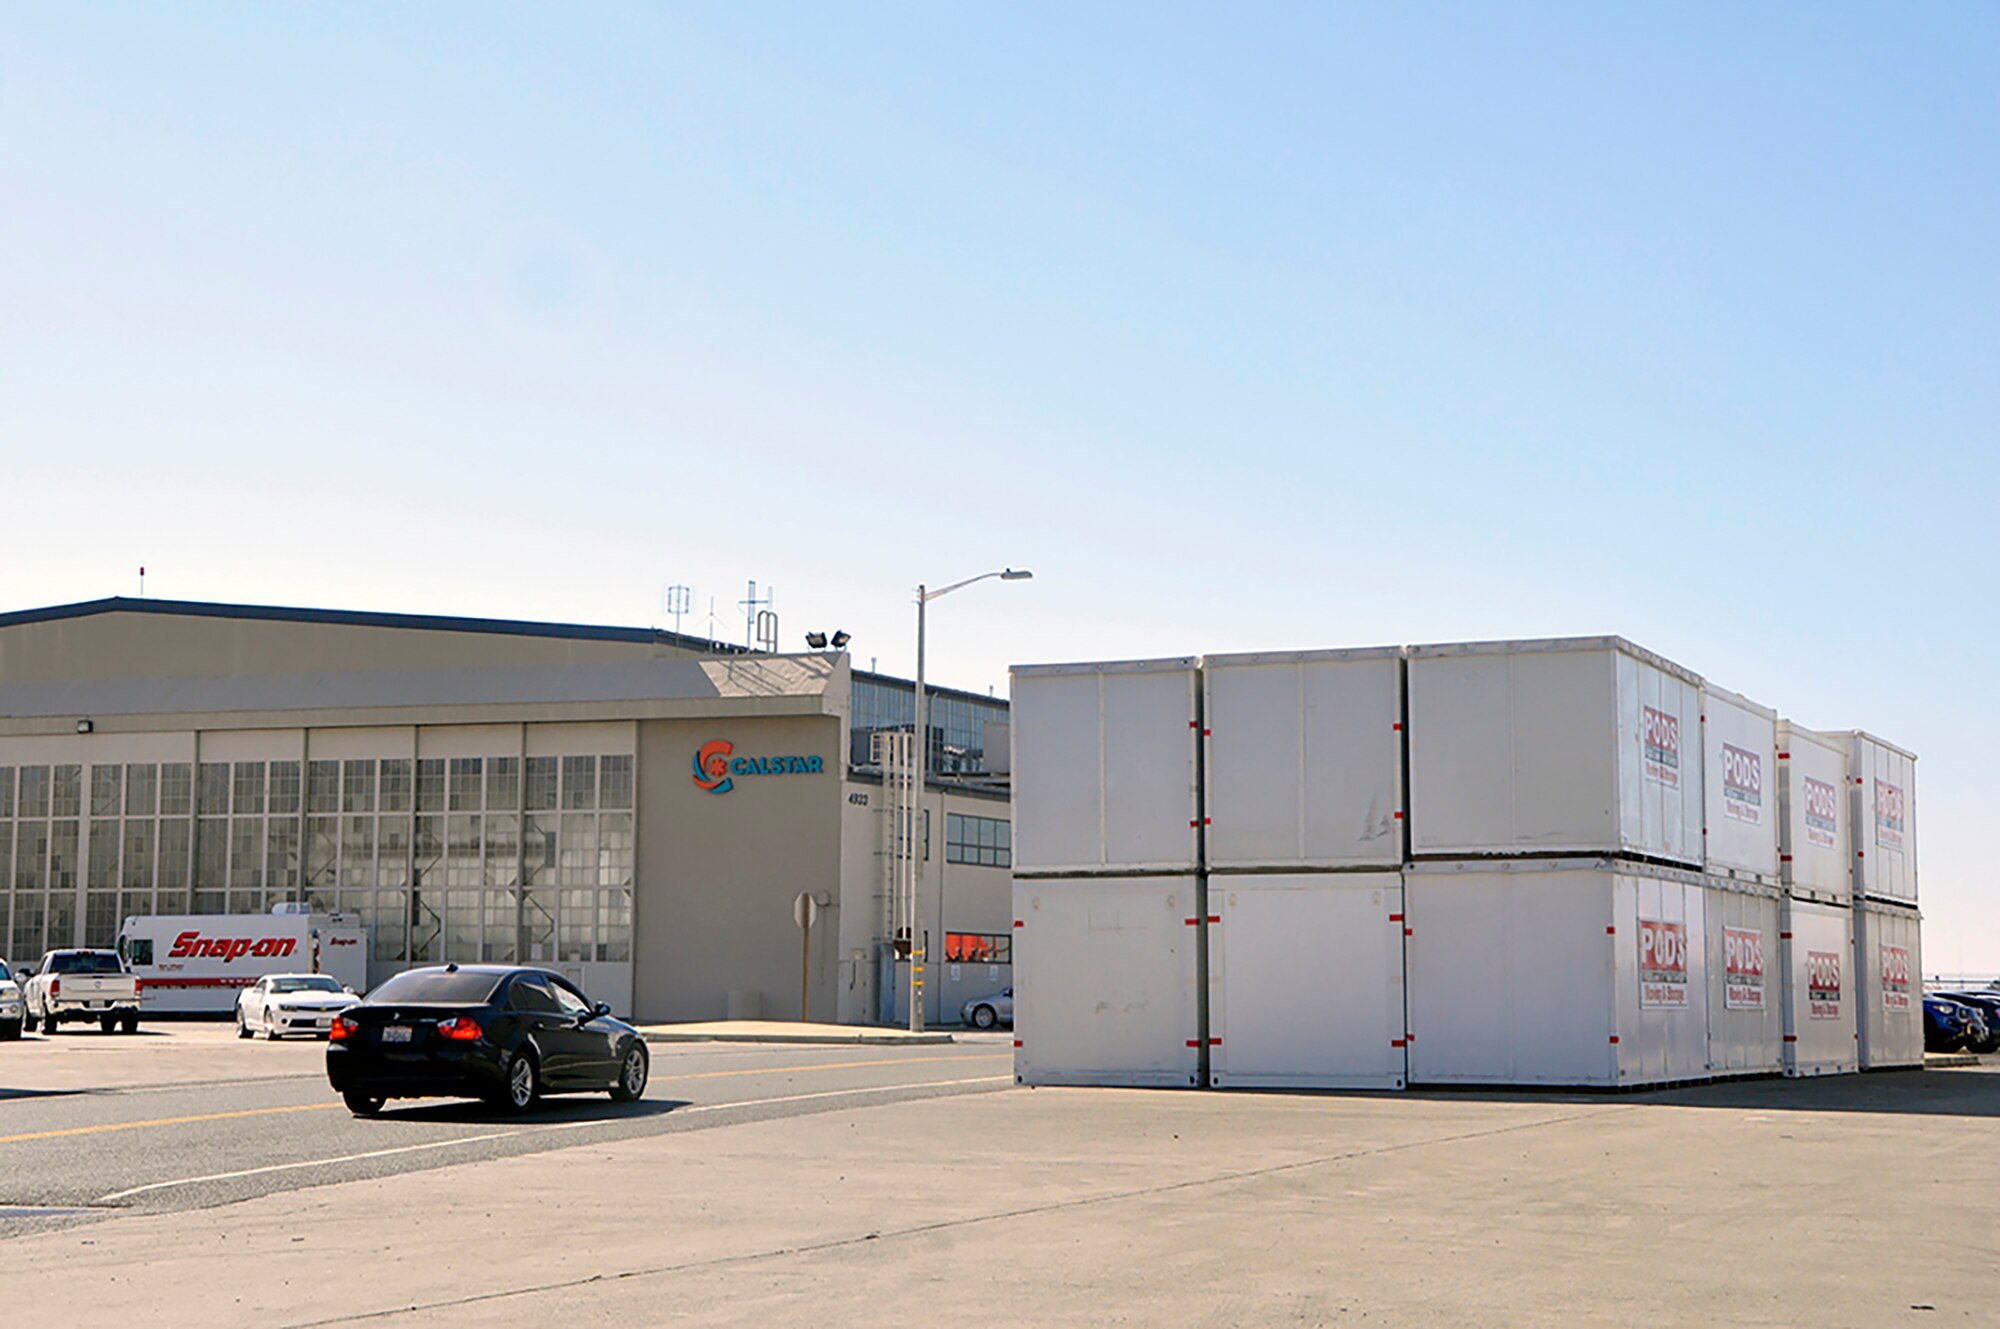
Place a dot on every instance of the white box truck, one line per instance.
(196, 964)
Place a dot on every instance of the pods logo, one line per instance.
(1661, 734)
(1663, 963)
(1742, 784)
(711, 766)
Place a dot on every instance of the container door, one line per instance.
(1306, 981)
(1105, 767)
(1304, 761)
(1740, 800)
(1745, 1004)
(1820, 1037)
(1104, 982)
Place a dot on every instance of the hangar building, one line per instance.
(636, 808)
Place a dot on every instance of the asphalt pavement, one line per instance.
(187, 1116)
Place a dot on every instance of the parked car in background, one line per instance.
(11, 1011)
(985, 1012)
(280, 1004)
(495, 1032)
(70, 985)
(1988, 1006)
(1948, 1026)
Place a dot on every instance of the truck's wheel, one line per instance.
(49, 1023)
(108, 1023)
(11, 1029)
(129, 1024)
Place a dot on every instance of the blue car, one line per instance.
(1949, 1026)
(1988, 1006)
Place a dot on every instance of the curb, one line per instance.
(1945, 1060)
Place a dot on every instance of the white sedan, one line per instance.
(279, 1004)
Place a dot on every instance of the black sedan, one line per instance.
(495, 1032)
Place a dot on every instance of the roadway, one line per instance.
(186, 1117)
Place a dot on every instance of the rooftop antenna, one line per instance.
(712, 621)
(142, 583)
(680, 601)
(750, 604)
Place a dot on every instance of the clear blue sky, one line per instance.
(1244, 326)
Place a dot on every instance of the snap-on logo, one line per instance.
(1662, 734)
(1822, 810)
(1742, 784)
(225, 949)
(716, 766)
(1890, 810)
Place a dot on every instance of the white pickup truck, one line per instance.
(82, 985)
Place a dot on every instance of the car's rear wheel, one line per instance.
(632, 1073)
(360, 1104)
(984, 1017)
(242, 1026)
(523, 1086)
(107, 1023)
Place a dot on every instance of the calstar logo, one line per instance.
(716, 765)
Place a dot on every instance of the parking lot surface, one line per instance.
(1846, 1201)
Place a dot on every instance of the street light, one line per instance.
(918, 951)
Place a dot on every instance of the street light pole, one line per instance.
(918, 951)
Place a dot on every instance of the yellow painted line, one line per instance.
(325, 1107)
(165, 1121)
(832, 1066)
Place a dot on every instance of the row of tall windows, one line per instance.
(463, 858)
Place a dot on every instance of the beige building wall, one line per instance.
(718, 873)
(134, 645)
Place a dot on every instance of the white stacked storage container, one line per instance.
(1579, 746)
(1882, 808)
(1746, 1014)
(1817, 925)
(1884, 811)
(1888, 960)
(1106, 859)
(1302, 806)
(1557, 972)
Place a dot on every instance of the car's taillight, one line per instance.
(341, 1029)
(138, 986)
(55, 987)
(462, 1028)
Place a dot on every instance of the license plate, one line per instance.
(324, 1021)
(395, 1033)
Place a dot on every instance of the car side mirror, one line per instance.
(602, 1009)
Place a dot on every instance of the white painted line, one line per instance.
(537, 1130)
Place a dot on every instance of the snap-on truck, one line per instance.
(196, 964)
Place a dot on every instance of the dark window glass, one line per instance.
(436, 987)
(531, 994)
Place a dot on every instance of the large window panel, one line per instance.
(176, 864)
(503, 849)
(502, 936)
(285, 791)
(136, 874)
(615, 782)
(107, 791)
(142, 789)
(212, 790)
(397, 777)
(31, 858)
(322, 853)
(104, 842)
(281, 858)
(248, 782)
(430, 785)
(614, 849)
(391, 924)
(462, 910)
(577, 926)
(65, 854)
(66, 791)
(357, 786)
(323, 787)
(462, 854)
(392, 859)
(246, 859)
(465, 784)
(176, 789)
(503, 784)
(6, 795)
(357, 853)
(541, 789)
(35, 794)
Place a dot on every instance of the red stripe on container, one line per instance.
(1791, 1038)
(1395, 918)
(1215, 1042)
(1784, 936)
(1614, 1038)
(1397, 1042)
(1194, 1042)
(1398, 726)
(1019, 924)
(1409, 932)
(1784, 756)
(1215, 918)
(1610, 930)
(1399, 816)
(1017, 1042)
(1194, 922)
